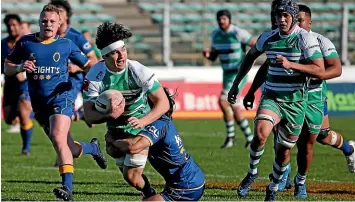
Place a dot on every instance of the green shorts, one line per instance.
(314, 117)
(228, 78)
(292, 114)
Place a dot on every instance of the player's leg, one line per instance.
(310, 131)
(336, 140)
(240, 118)
(10, 105)
(133, 173)
(268, 115)
(289, 130)
(132, 167)
(79, 148)
(25, 109)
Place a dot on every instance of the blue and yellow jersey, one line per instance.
(6, 47)
(168, 156)
(78, 39)
(50, 77)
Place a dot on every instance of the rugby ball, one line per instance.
(102, 103)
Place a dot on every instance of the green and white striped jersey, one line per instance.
(287, 85)
(317, 89)
(228, 45)
(134, 82)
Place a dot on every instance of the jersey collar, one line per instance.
(47, 41)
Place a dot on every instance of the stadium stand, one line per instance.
(191, 22)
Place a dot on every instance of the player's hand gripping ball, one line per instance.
(110, 102)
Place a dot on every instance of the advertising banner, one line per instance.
(199, 100)
(341, 99)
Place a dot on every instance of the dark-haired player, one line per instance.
(44, 56)
(284, 100)
(16, 96)
(185, 181)
(76, 75)
(226, 44)
(137, 84)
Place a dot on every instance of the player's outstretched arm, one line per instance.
(129, 145)
(160, 107)
(259, 78)
(245, 67)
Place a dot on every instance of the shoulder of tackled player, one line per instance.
(97, 72)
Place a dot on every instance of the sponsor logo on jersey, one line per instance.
(47, 70)
(56, 57)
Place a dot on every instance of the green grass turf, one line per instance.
(33, 177)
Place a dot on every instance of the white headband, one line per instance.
(112, 47)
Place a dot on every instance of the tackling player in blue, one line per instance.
(184, 179)
(44, 56)
(16, 97)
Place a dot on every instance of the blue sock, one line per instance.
(89, 148)
(346, 148)
(26, 134)
(67, 175)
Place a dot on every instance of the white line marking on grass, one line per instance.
(218, 176)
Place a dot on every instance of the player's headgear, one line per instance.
(224, 12)
(290, 7)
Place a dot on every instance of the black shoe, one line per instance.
(228, 143)
(25, 152)
(63, 193)
(100, 157)
(270, 195)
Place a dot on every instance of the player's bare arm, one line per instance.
(210, 54)
(313, 67)
(13, 69)
(245, 67)
(259, 79)
(129, 145)
(93, 59)
(333, 68)
(161, 106)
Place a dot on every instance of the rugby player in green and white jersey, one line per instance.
(227, 41)
(137, 84)
(284, 99)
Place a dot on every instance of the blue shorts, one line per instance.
(60, 105)
(170, 194)
(77, 80)
(325, 110)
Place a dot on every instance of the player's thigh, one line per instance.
(314, 117)
(59, 126)
(10, 113)
(194, 194)
(293, 116)
(268, 114)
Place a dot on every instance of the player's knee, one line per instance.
(134, 178)
(262, 133)
(285, 141)
(322, 136)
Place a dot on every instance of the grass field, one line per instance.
(33, 177)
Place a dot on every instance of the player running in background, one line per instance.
(87, 36)
(76, 75)
(137, 83)
(16, 97)
(283, 102)
(44, 56)
(226, 44)
(26, 27)
(185, 181)
(317, 94)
